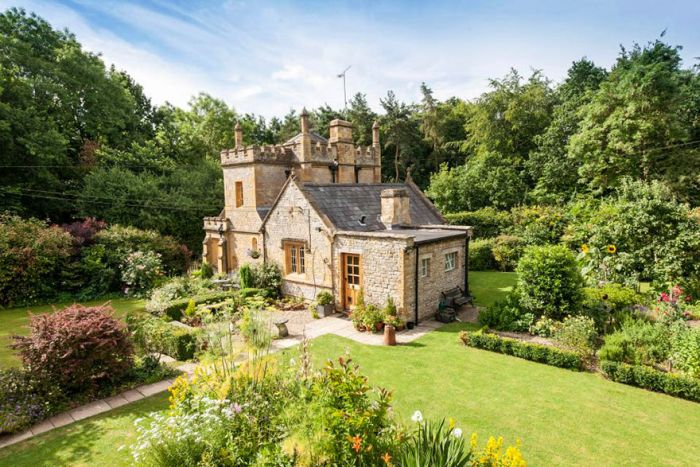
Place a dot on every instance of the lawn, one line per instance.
(15, 320)
(563, 417)
(91, 442)
(490, 286)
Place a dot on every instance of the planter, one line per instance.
(389, 335)
(378, 327)
(410, 325)
(325, 310)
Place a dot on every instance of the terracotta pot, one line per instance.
(379, 326)
(389, 335)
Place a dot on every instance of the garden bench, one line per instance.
(281, 324)
(454, 298)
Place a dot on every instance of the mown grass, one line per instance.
(488, 287)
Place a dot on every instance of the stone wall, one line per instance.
(294, 219)
(438, 280)
(382, 263)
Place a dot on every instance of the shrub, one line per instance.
(175, 308)
(506, 315)
(78, 348)
(246, 276)
(549, 281)
(267, 276)
(685, 349)
(24, 400)
(537, 353)
(545, 327)
(610, 304)
(206, 270)
(578, 334)
(637, 342)
(538, 225)
(153, 335)
(372, 317)
(32, 257)
(324, 298)
(481, 255)
(141, 271)
(83, 232)
(507, 250)
(176, 288)
(648, 378)
(487, 222)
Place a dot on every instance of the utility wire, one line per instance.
(65, 197)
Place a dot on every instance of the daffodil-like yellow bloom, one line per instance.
(585, 248)
(612, 249)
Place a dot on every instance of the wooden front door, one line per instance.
(352, 274)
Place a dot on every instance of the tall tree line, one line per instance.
(78, 138)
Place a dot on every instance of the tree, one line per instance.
(554, 171)
(401, 133)
(640, 121)
(362, 119)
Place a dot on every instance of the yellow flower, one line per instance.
(452, 423)
(612, 249)
(386, 458)
(585, 248)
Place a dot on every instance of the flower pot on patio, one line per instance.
(325, 310)
(378, 327)
(389, 335)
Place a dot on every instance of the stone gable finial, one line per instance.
(375, 134)
(408, 175)
(238, 135)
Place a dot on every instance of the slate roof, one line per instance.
(345, 204)
(315, 138)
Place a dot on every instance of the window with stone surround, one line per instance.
(450, 261)
(425, 267)
(239, 194)
(295, 260)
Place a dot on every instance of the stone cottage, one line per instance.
(318, 209)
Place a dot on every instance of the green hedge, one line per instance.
(152, 334)
(487, 222)
(481, 254)
(534, 352)
(176, 307)
(646, 377)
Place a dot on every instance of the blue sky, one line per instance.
(269, 56)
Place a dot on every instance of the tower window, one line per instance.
(239, 194)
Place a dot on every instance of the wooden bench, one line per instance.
(454, 298)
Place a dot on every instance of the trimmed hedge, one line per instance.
(175, 308)
(152, 334)
(646, 377)
(534, 352)
(481, 254)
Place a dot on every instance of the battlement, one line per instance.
(266, 153)
(365, 155)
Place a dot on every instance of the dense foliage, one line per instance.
(77, 349)
(654, 380)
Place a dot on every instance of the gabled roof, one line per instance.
(315, 138)
(346, 204)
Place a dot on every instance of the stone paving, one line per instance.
(310, 329)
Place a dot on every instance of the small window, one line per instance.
(254, 244)
(239, 194)
(425, 267)
(295, 258)
(450, 261)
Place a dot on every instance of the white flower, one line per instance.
(417, 416)
(457, 432)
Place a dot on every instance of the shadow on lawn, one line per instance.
(77, 443)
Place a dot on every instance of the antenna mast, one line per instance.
(345, 96)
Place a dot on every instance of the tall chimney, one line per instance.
(238, 135)
(395, 208)
(306, 172)
(377, 151)
(340, 137)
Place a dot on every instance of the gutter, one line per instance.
(415, 287)
(466, 268)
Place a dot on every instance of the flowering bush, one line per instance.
(141, 271)
(78, 349)
(83, 232)
(578, 334)
(443, 444)
(33, 256)
(637, 342)
(24, 400)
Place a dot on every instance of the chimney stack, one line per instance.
(396, 211)
(306, 172)
(238, 135)
(377, 151)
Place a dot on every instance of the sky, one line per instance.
(267, 57)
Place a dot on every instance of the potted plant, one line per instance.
(391, 315)
(373, 319)
(324, 304)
